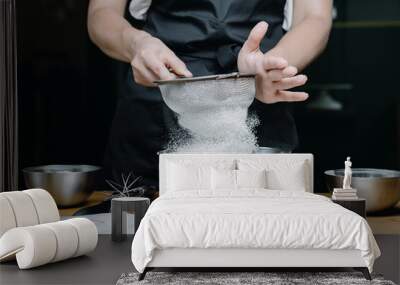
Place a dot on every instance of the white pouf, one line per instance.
(87, 235)
(33, 246)
(45, 205)
(31, 232)
(26, 208)
(7, 219)
(67, 240)
(37, 245)
(23, 208)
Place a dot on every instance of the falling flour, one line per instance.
(212, 118)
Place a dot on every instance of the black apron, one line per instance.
(207, 35)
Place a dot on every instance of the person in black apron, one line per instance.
(207, 37)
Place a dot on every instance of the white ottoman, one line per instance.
(26, 208)
(31, 230)
(37, 245)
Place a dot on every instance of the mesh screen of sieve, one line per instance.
(214, 115)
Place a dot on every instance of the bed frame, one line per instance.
(245, 259)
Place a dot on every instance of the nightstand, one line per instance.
(122, 206)
(358, 206)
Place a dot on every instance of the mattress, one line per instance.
(251, 219)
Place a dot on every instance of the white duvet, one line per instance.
(250, 219)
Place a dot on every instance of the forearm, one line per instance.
(148, 56)
(304, 42)
(110, 31)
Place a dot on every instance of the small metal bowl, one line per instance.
(69, 185)
(265, 149)
(380, 187)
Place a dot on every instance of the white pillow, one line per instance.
(291, 178)
(227, 179)
(282, 173)
(223, 179)
(193, 174)
(251, 178)
(188, 177)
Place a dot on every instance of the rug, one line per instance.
(253, 278)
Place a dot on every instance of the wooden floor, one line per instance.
(103, 266)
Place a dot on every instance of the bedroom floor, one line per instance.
(103, 266)
(110, 260)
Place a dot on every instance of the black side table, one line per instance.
(120, 207)
(358, 206)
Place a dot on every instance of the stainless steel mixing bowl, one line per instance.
(68, 184)
(380, 187)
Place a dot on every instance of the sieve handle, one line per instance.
(201, 78)
(228, 75)
(233, 74)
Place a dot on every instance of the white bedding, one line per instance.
(250, 219)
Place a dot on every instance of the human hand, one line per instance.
(274, 76)
(152, 60)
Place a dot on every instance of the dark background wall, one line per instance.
(66, 85)
(67, 88)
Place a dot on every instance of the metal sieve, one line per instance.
(213, 111)
(196, 94)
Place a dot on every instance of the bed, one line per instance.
(246, 211)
